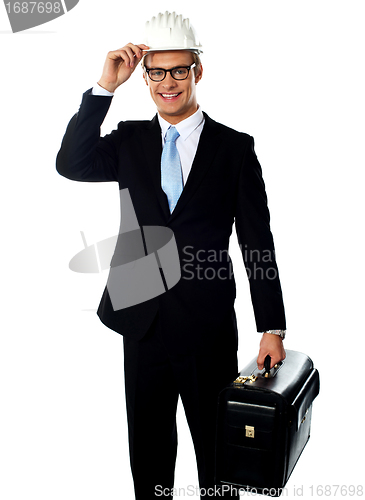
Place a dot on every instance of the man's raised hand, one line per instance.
(120, 64)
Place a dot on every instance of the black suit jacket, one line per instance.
(224, 187)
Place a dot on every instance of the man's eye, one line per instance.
(180, 71)
(157, 73)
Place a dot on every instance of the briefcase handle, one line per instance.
(267, 363)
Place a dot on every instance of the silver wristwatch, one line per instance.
(280, 333)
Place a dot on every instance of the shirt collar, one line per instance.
(185, 127)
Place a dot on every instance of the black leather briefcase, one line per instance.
(264, 420)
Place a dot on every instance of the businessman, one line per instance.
(199, 178)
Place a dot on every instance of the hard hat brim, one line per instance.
(197, 50)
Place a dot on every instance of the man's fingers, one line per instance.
(274, 360)
(124, 54)
(128, 53)
(260, 362)
(135, 51)
(143, 47)
(271, 345)
(129, 61)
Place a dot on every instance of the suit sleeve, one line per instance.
(84, 155)
(257, 245)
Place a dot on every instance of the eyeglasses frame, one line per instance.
(170, 71)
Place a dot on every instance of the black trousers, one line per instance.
(154, 379)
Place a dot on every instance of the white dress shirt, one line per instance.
(187, 143)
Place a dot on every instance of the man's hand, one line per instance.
(120, 64)
(273, 345)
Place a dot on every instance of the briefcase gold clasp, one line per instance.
(250, 431)
(241, 380)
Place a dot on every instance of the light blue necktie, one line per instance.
(171, 177)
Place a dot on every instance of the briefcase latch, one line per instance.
(241, 380)
(250, 431)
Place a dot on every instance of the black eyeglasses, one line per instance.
(177, 73)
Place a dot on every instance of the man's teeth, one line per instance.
(169, 96)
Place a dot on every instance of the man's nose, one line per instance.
(169, 82)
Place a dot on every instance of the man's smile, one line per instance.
(167, 96)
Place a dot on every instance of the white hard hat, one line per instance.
(171, 32)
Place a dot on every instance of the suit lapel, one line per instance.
(152, 146)
(207, 147)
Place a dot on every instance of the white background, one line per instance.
(291, 74)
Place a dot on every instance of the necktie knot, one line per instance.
(171, 135)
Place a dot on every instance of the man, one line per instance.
(183, 342)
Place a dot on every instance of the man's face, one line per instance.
(175, 99)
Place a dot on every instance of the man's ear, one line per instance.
(199, 75)
(145, 77)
